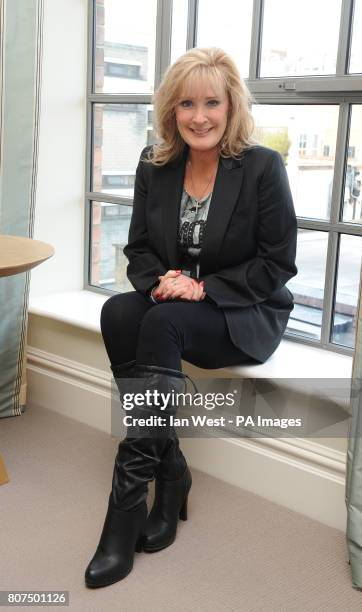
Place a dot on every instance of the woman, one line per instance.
(212, 243)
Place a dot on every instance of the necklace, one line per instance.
(198, 200)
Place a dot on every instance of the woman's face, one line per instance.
(201, 115)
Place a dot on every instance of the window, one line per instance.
(307, 105)
(122, 70)
(293, 42)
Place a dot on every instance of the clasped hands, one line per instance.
(175, 285)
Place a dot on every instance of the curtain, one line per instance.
(354, 460)
(20, 75)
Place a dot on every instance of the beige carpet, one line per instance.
(237, 552)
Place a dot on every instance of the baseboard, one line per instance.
(70, 388)
(299, 474)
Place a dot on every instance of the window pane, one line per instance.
(296, 40)
(348, 276)
(179, 28)
(120, 131)
(228, 28)
(356, 49)
(352, 205)
(125, 46)
(306, 138)
(109, 235)
(308, 286)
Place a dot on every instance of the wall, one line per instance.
(59, 214)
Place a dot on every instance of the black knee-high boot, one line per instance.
(173, 462)
(173, 483)
(138, 457)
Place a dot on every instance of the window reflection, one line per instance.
(121, 131)
(305, 136)
(109, 236)
(352, 203)
(179, 28)
(125, 46)
(348, 278)
(228, 27)
(294, 40)
(356, 48)
(308, 286)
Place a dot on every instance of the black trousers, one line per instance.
(133, 327)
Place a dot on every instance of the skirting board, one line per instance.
(301, 475)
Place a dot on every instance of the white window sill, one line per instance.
(291, 359)
(79, 308)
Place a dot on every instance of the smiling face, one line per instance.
(201, 113)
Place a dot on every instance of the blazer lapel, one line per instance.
(226, 190)
(170, 189)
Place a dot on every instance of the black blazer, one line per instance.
(249, 245)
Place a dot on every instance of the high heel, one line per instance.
(170, 504)
(139, 545)
(183, 511)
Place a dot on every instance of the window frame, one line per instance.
(343, 90)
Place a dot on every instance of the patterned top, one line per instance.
(192, 226)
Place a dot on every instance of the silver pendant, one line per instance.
(196, 207)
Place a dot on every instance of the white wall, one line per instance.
(59, 214)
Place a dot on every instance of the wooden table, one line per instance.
(18, 254)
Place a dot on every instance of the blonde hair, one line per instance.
(214, 65)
